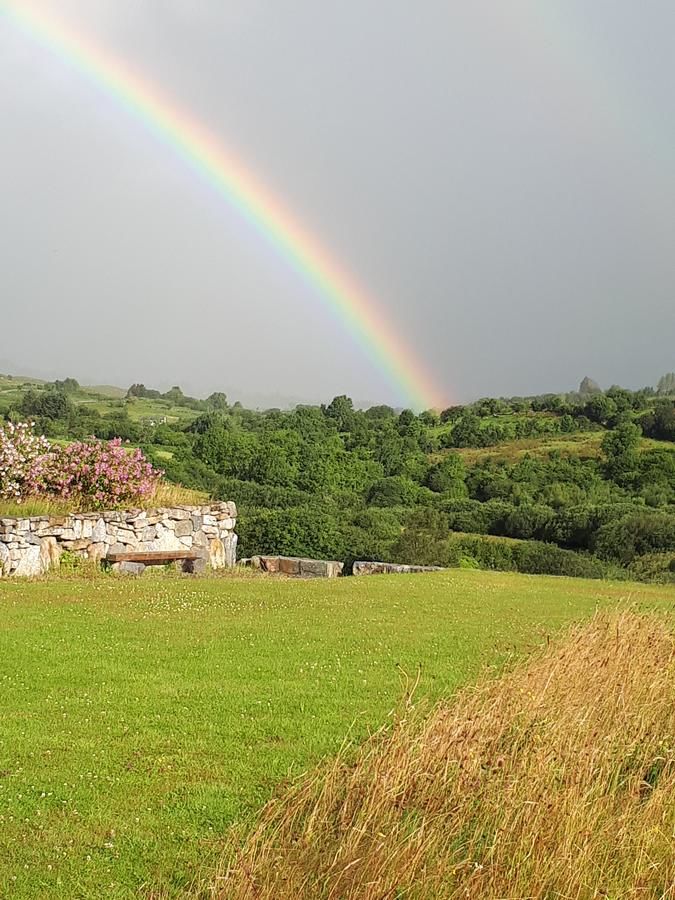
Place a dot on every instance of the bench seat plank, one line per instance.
(156, 556)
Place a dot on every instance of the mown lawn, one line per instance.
(141, 718)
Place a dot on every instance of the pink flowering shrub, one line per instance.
(100, 474)
(23, 457)
(94, 474)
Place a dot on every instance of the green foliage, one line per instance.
(660, 422)
(393, 491)
(620, 447)
(360, 477)
(636, 534)
(300, 531)
(448, 476)
(48, 404)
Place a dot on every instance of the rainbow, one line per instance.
(358, 312)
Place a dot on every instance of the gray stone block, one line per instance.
(128, 568)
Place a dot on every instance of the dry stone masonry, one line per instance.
(385, 568)
(293, 565)
(32, 546)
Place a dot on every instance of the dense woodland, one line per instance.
(576, 484)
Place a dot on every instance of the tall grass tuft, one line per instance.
(165, 494)
(556, 780)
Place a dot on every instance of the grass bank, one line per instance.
(142, 718)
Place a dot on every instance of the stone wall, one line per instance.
(385, 568)
(293, 565)
(32, 546)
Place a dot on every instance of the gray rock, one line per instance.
(179, 514)
(384, 568)
(226, 524)
(126, 537)
(128, 568)
(320, 568)
(196, 566)
(230, 545)
(183, 528)
(5, 560)
(29, 563)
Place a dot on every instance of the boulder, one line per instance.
(128, 568)
(30, 562)
(289, 565)
(320, 568)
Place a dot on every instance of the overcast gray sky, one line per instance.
(498, 173)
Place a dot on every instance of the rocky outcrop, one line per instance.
(32, 546)
(384, 568)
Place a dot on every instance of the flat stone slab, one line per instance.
(297, 566)
(385, 568)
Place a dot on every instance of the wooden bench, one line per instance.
(156, 558)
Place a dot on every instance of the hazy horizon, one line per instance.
(499, 179)
(271, 399)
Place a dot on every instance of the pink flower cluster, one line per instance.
(22, 459)
(100, 474)
(97, 474)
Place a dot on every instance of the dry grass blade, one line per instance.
(557, 780)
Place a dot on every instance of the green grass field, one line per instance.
(143, 718)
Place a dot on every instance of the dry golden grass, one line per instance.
(166, 494)
(169, 494)
(557, 780)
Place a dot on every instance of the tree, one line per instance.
(619, 447)
(429, 418)
(405, 420)
(660, 422)
(394, 491)
(466, 432)
(600, 408)
(68, 385)
(451, 413)
(423, 539)
(341, 409)
(217, 402)
(622, 398)
(50, 404)
(277, 461)
(140, 390)
(448, 476)
(175, 395)
(588, 386)
(666, 384)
